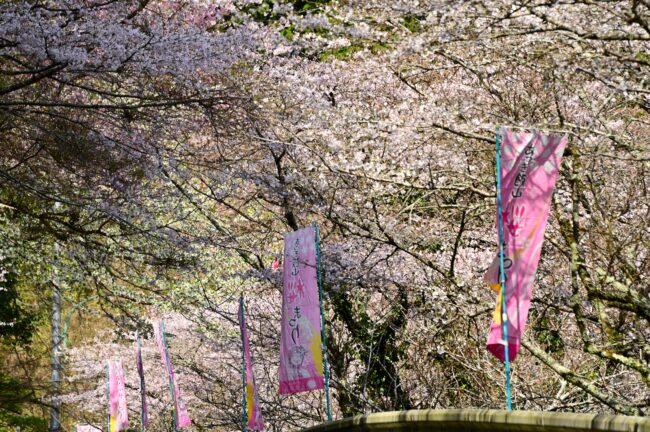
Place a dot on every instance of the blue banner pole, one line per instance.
(502, 274)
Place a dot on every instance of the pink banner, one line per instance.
(529, 167)
(119, 417)
(180, 409)
(254, 419)
(143, 392)
(301, 356)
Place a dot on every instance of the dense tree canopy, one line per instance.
(153, 153)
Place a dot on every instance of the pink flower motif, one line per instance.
(514, 223)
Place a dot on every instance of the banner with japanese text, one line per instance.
(180, 409)
(254, 420)
(301, 356)
(118, 414)
(530, 163)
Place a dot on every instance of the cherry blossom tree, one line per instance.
(184, 140)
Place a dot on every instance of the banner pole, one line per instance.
(502, 274)
(108, 394)
(242, 325)
(322, 323)
(171, 382)
(142, 393)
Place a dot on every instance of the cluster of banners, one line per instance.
(118, 414)
(301, 349)
(530, 164)
(529, 168)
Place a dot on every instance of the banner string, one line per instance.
(502, 274)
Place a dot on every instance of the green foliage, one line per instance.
(340, 53)
(382, 338)
(464, 383)
(288, 32)
(644, 57)
(412, 22)
(24, 423)
(13, 395)
(302, 7)
(377, 47)
(548, 337)
(16, 324)
(263, 13)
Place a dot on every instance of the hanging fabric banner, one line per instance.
(143, 393)
(119, 417)
(301, 356)
(181, 415)
(530, 163)
(254, 420)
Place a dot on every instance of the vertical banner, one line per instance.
(530, 163)
(254, 420)
(301, 356)
(119, 418)
(143, 393)
(181, 417)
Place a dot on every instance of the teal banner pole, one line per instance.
(502, 273)
(322, 323)
(242, 325)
